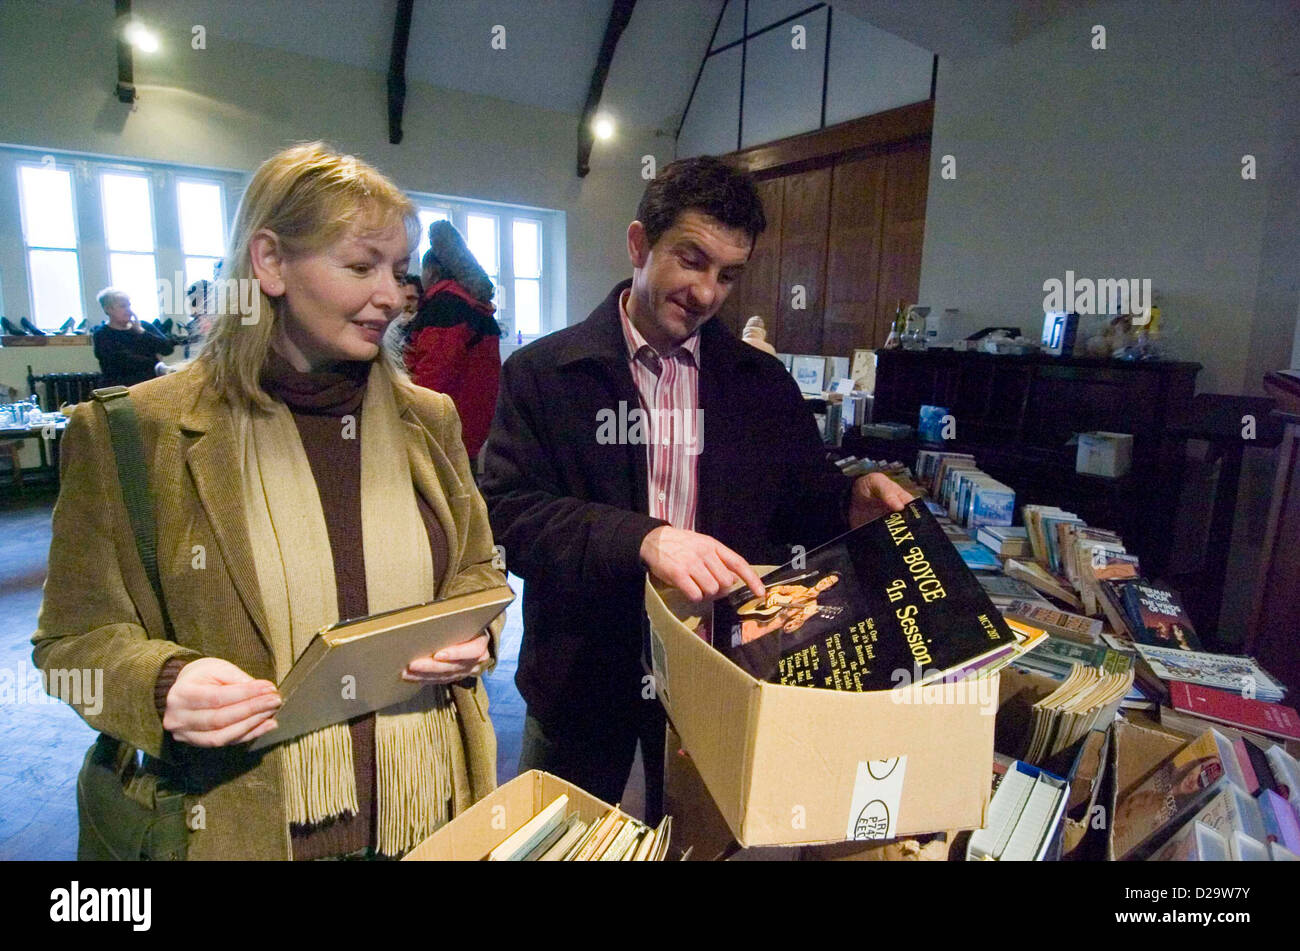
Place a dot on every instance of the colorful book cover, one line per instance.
(1176, 790)
(977, 557)
(1159, 616)
(1241, 675)
(870, 610)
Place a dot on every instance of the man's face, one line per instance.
(684, 279)
(410, 301)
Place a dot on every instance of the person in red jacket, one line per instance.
(453, 343)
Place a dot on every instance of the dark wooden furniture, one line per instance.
(1273, 632)
(1221, 421)
(1016, 414)
(846, 216)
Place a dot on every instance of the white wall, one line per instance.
(1126, 162)
(232, 105)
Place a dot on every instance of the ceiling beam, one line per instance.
(619, 16)
(397, 70)
(125, 89)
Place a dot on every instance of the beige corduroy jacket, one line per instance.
(99, 611)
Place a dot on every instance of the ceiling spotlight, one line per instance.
(142, 38)
(603, 127)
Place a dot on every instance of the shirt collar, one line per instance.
(638, 348)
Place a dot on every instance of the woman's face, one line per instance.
(340, 299)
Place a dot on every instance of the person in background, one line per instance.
(126, 348)
(412, 291)
(453, 343)
(318, 483)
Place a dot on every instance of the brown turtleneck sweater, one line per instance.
(318, 402)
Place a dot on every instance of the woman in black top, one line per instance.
(127, 350)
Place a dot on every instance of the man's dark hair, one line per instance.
(413, 280)
(706, 184)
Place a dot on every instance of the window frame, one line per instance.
(70, 167)
(177, 180)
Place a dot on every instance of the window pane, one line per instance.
(128, 215)
(47, 207)
(527, 249)
(56, 287)
(482, 241)
(427, 217)
(135, 274)
(199, 269)
(528, 306)
(199, 204)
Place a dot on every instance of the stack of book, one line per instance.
(1086, 699)
(1005, 541)
(1024, 816)
(1214, 798)
(970, 496)
(557, 835)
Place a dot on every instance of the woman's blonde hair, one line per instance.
(309, 196)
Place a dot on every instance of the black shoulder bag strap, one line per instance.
(128, 450)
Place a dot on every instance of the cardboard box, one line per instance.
(1136, 750)
(799, 766)
(486, 824)
(1104, 454)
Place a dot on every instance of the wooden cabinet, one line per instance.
(1017, 414)
(846, 217)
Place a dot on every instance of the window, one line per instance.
(50, 234)
(128, 233)
(527, 245)
(203, 233)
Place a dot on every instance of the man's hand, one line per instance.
(214, 703)
(698, 565)
(135, 324)
(451, 664)
(875, 494)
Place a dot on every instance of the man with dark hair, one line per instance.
(412, 291)
(600, 466)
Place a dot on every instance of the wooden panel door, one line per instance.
(759, 284)
(853, 255)
(804, 224)
(907, 176)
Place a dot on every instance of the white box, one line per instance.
(1104, 454)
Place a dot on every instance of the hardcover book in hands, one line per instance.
(870, 610)
(355, 667)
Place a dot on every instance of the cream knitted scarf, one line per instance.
(295, 572)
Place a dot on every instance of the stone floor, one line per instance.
(42, 741)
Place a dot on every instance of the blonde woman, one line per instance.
(298, 477)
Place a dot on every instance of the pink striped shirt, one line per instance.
(668, 389)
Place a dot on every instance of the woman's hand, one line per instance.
(214, 703)
(451, 664)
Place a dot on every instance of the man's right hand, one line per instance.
(214, 703)
(698, 565)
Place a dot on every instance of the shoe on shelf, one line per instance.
(10, 329)
(31, 328)
(67, 325)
